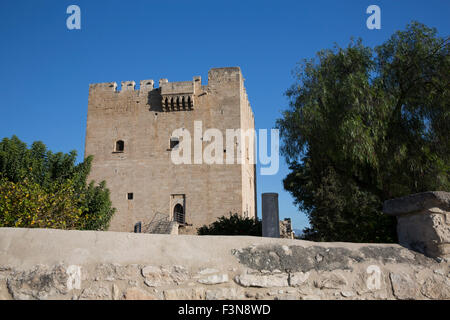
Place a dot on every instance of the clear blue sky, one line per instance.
(45, 69)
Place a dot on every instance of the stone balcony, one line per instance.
(178, 96)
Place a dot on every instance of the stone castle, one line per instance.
(129, 133)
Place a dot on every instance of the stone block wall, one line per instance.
(56, 264)
(141, 176)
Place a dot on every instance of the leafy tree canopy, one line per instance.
(39, 188)
(366, 125)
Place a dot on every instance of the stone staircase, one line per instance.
(165, 227)
(160, 224)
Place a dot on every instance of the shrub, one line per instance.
(232, 225)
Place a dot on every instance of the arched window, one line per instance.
(120, 145)
(178, 213)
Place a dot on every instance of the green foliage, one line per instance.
(42, 189)
(232, 225)
(366, 125)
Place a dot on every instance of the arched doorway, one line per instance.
(178, 213)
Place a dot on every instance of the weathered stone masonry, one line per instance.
(423, 222)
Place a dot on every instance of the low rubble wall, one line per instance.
(57, 264)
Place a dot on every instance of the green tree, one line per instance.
(39, 188)
(232, 225)
(366, 125)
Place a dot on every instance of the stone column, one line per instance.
(270, 218)
(423, 222)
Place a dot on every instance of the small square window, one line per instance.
(130, 196)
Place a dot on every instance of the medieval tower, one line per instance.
(130, 134)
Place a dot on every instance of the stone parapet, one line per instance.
(57, 264)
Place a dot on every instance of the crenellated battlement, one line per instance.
(104, 86)
(215, 75)
(173, 96)
(147, 84)
(128, 85)
(144, 85)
